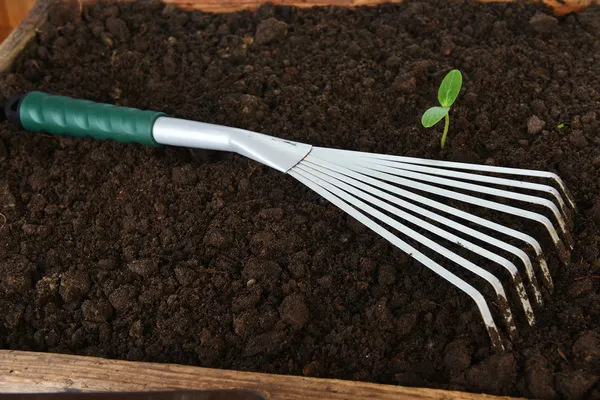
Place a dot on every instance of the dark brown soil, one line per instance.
(205, 258)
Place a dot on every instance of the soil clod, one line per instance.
(543, 23)
(535, 125)
(294, 311)
(270, 30)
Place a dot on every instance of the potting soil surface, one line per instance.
(206, 258)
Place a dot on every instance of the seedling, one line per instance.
(447, 94)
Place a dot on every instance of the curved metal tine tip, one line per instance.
(341, 199)
(464, 166)
(359, 189)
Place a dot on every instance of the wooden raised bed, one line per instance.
(27, 372)
(42, 372)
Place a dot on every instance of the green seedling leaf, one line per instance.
(433, 116)
(447, 93)
(561, 126)
(450, 88)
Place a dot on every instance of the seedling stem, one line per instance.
(446, 126)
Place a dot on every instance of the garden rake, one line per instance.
(399, 198)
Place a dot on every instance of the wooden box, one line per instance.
(43, 372)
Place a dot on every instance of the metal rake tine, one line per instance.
(361, 190)
(457, 213)
(358, 180)
(312, 183)
(438, 218)
(470, 187)
(476, 178)
(533, 173)
(463, 262)
(413, 184)
(460, 196)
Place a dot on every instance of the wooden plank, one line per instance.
(30, 372)
(11, 14)
(12, 46)
(14, 11)
(221, 6)
(41, 372)
(3, 15)
(560, 7)
(4, 32)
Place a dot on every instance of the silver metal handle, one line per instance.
(276, 153)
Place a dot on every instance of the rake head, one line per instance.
(403, 197)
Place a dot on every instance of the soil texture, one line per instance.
(207, 258)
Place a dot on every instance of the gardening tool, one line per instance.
(396, 197)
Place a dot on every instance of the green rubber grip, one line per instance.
(60, 115)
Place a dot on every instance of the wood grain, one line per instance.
(30, 372)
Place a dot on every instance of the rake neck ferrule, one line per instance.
(276, 153)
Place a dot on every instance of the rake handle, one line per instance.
(60, 115)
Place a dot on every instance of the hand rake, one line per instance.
(399, 198)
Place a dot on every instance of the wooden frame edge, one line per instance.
(32, 372)
(18, 39)
(223, 6)
(560, 7)
(29, 372)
